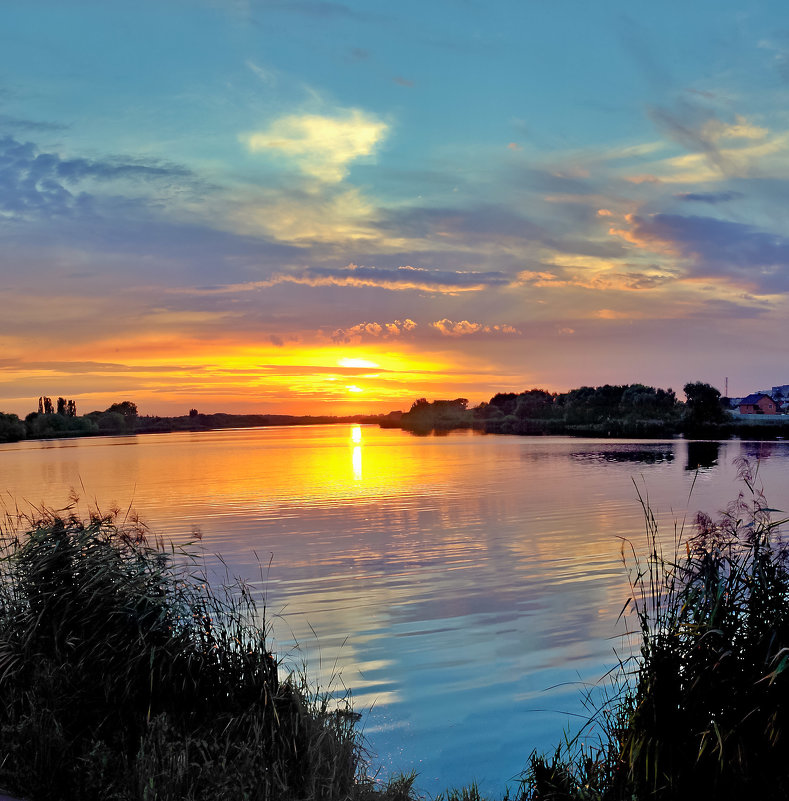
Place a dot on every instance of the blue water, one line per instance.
(465, 588)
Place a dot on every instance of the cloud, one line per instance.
(37, 182)
(265, 75)
(400, 81)
(321, 146)
(717, 248)
(462, 328)
(376, 330)
(21, 124)
(688, 125)
(709, 197)
(600, 279)
(398, 278)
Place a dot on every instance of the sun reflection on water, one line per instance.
(357, 463)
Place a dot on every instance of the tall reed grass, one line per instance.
(125, 675)
(704, 713)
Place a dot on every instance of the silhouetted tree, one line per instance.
(12, 428)
(193, 413)
(533, 403)
(41, 405)
(703, 404)
(505, 401)
(48, 408)
(126, 408)
(61, 406)
(71, 409)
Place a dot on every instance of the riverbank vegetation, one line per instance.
(703, 710)
(53, 422)
(624, 410)
(124, 675)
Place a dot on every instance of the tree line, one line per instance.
(634, 410)
(60, 419)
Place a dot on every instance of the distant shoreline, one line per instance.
(152, 424)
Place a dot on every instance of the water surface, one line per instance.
(464, 587)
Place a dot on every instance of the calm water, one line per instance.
(463, 587)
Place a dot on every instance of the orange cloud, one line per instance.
(461, 328)
(394, 329)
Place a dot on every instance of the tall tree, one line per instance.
(703, 403)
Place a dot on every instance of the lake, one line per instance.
(465, 587)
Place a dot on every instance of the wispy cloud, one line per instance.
(396, 279)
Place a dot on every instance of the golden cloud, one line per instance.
(461, 328)
(321, 146)
(394, 329)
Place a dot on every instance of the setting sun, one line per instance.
(357, 363)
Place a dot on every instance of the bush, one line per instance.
(123, 676)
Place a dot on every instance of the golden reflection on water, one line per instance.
(356, 460)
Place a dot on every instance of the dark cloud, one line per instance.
(720, 248)
(33, 182)
(710, 197)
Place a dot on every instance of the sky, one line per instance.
(334, 207)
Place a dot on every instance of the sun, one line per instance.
(357, 363)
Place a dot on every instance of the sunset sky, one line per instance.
(324, 207)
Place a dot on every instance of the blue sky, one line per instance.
(319, 206)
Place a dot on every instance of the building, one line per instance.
(758, 403)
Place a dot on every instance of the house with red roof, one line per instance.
(758, 403)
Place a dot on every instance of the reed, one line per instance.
(124, 674)
(704, 713)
